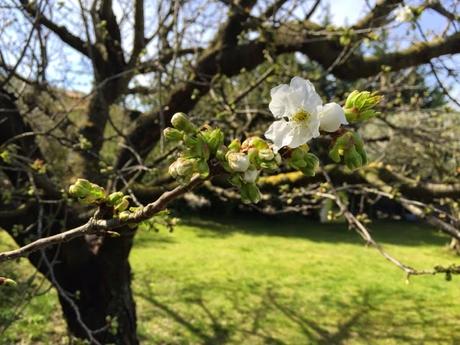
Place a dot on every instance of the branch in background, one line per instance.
(378, 15)
(61, 31)
(356, 224)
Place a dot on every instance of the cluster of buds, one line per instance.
(119, 203)
(301, 159)
(244, 162)
(360, 105)
(350, 146)
(87, 193)
(199, 147)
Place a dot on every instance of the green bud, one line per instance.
(334, 154)
(173, 135)
(213, 138)
(255, 142)
(266, 154)
(201, 149)
(181, 122)
(312, 160)
(86, 191)
(114, 198)
(5, 156)
(182, 167)
(272, 165)
(360, 105)
(122, 204)
(235, 145)
(235, 180)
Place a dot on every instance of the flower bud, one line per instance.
(80, 188)
(360, 105)
(238, 161)
(255, 142)
(182, 167)
(266, 154)
(278, 159)
(172, 134)
(332, 117)
(86, 191)
(312, 163)
(122, 204)
(213, 138)
(181, 122)
(114, 198)
(235, 145)
(200, 149)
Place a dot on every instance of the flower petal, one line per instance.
(278, 102)
(277, 133)
(331, 117)
(300, 134)
(305, 95)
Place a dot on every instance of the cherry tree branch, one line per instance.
(102, 226)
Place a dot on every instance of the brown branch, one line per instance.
(378, 15)
(417, 54)
(139, 38)
(438, 7)
(61, 31)
(102, 226)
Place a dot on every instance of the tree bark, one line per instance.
(101, 285)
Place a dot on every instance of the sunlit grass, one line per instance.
(291, 282)
(274, 281)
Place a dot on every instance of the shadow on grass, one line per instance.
(391, 232)
(358, 321)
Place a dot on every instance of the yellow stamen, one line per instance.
(301, 116)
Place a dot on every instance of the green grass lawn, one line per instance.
(277, 281)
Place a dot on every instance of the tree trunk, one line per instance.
(99, 286)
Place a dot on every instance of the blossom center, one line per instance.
(301, 116)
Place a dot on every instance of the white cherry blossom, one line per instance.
(296, 106)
